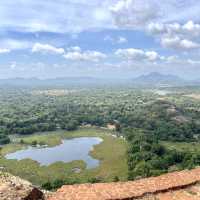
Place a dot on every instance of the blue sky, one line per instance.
(100, 38)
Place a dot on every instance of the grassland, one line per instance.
(111, 153)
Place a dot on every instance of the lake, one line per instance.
(69, 150)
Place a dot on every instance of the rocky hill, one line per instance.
(184, 185)
(15, 188)
(157, 79)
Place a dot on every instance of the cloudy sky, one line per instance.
(100, 38)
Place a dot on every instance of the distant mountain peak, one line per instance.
(156, 78)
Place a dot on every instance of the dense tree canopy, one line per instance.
(141, 116)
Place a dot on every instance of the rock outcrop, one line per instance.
(14, 188)
(182, 185)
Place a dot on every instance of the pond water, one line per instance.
(69, 150)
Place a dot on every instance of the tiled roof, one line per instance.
(173, 186)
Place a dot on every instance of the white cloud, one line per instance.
(159, 28)
(75, 48)
(193, 62)
(122, 40)
(133, 13)
(46, 48)
(130, 53)
(136, 14)
(172, 59)
(114, 40)
(73, 53)
(152, 55)
(176, 35)
(137, 54)
(108, 38)
(188, 29)
(14, 44)
(78, 15)
(156, 28)
(191, 28)
(76, 54)
(178, 61)
(4, 51)
(187, 44)
(13, 65)
(177, 43)
(58, 16)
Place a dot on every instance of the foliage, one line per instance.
(146, 120)
(147, 157)
(58, 183)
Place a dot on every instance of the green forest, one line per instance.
(149, 122)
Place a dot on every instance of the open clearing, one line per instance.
(183, 146)
(194, 96)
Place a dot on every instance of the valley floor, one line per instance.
(111, 153)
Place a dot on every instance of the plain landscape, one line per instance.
(99, 99)
(53, 136)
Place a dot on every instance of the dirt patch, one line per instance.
(194, 96)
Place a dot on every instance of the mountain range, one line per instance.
(157, 79)
(152, 79)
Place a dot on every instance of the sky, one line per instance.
(99, 38)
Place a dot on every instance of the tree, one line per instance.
(34, 143)
(116, 179)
